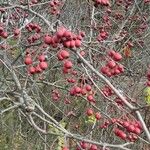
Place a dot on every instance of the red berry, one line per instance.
(38, 69)
(61, 32)
(65, 70)
(41, 58)
(68, 64)
(126, 124)
(16, 32)
(28, 60)
(104, 70)
(83, 91)
(66, 44)
(48, 39)
(131, 128)
(31, 70)
(88, 87)
(137, 130)
(67, 34)
(111, 64)
(84, 145)
(120, 133)
(65, 54)
(98, 116)
(59, 56)
(52, 4)
(77, 89)
(4, 35)
(77, 43)
(90, 98)
(43, 65)
(93, 147)
(89, 112)
(111, 53)
(117, 56)
(72, 44)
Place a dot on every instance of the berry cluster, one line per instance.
(55, 95)
(90, 112)
(33, 27)
(84, 91)
(101, 2)
(102, 35)
(40, 67)
(65, 37)
(128, 130)
(55, 4)
(112, 68)
(107, 91)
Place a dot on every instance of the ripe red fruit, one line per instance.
(65, 70)
(89, 112)
(84, 145)
(55, 39)
(120, 133)
(97, 115)
(108, 73)
(138, 124)
(72, 44)
(114, 120)
(72, 92)
(66, 44)
(120, 68)
(60, 32)
(111, 53)
(104, 70)
(88, 87)
(77, 89)
(43, 65)
(67, 34)
(28, 60)
(90, 98)
(65, 54)
(31, 70)
(48, 39)
(77, 43)
(4, 35)
(52, 4)
(83, 91)
(59, 56)
(16, 32)
(126, 124)
(123, 135)
(38, 69)
(117, 56)
(93, 147)
(116, 71)
(137, 130)
(111, 64)
(68, 64)
(41, 58)
(131, 128)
